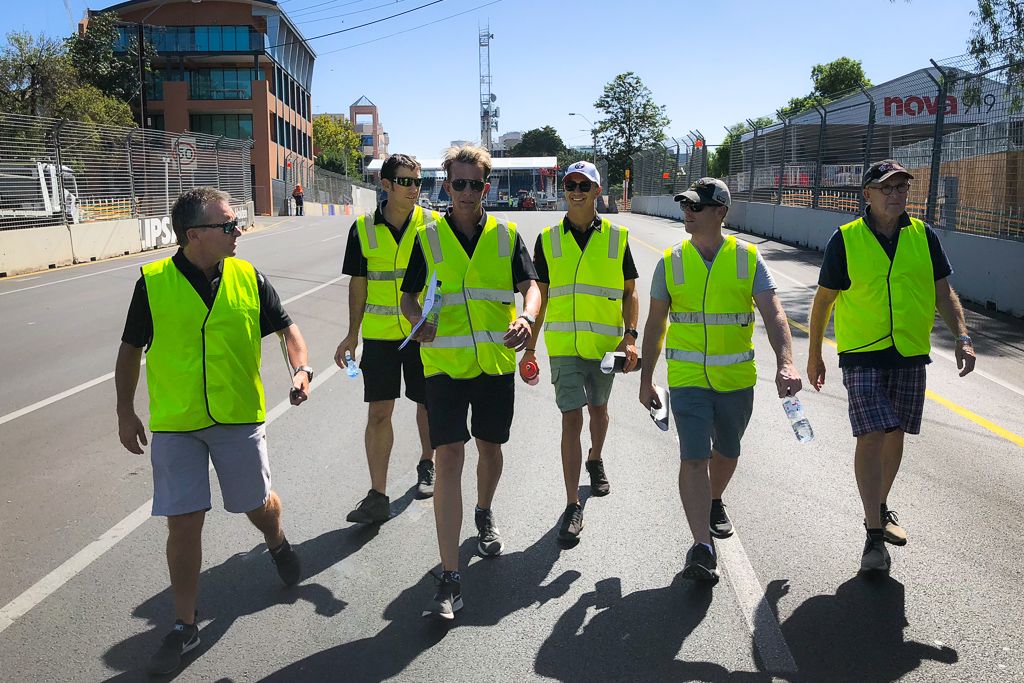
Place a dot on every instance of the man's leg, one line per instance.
(184, 561)
(868, 468)
(599, 421)
(892, 457)
(488, 472)
(448, 502)
(267, 518)
(423, 427)
(721, 471)
(695, 494)
(572, 453)
(379, 439)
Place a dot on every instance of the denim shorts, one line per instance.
(707, 419)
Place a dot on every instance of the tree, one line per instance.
(33, 71)
(998, 38)
(113, 73)
(87, 103)
(719, 160)
(632, 122)
(337, 144)
(830, 82)
(539, 142)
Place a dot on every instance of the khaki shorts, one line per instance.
(579, 382)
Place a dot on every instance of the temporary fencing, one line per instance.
(669, 167)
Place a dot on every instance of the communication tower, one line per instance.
(488, 112)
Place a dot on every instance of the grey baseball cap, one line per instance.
(706, 191)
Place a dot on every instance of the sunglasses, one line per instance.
(228, 227)
(696, 208)
(902, 188)
(460, 185)
(407, 182)
(584, 186)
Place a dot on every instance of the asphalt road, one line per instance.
(83, 585)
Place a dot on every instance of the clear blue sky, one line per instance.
(711, 63)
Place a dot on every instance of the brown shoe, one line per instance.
(894, 533)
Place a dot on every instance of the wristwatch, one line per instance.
(528, 318)
(634, 333)
(965, 339)
(306, 369)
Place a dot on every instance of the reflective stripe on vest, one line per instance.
(711, 318)
(203, 365)
(889, 302)
(583, 314)
(476, 301)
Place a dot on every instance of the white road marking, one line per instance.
(69, 279)
(334, 238)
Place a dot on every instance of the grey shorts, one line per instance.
(579, 382)
(181, 469)
(707, 419)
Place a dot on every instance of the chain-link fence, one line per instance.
(959, 130)
(669, 167)
(55, 172)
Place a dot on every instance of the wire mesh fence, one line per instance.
(669, 167)
(958, 128)
(56, 172)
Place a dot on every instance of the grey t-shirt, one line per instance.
(763, 280)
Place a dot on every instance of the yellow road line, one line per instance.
(946, 403)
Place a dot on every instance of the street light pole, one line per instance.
(593, 133)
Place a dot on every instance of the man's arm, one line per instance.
(787, 377)
(297, 356)
(654, 338)
(630, 314)
(130, 430)
(821, 312)
(948, 303)
(531, 347)
(519, 331)
(357, 287)
(410, 305)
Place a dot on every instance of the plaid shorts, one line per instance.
(885, 399)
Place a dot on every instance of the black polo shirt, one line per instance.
(416, 272)
(138, 326)
(582, 237)
(355, 264)
(835, 274)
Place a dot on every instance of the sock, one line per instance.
(480, 509)
(275, 551)
(451, 576)
(875, 533)
(710, 548)
(716, 500)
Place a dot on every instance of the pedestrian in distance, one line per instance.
(200, 316)
(589, 307)
(297, 195)
(469, 353)
(703, 293)
(376, 258)
(885, 274)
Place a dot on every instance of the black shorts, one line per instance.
(493, 398)
(383, 366)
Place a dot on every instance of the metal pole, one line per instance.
(869, 142)
(702, 166)
(816, 190)
(782, 158)
(58, 158)
(142, 76)
(936, 166)
(133, 209)
(167, 186)
(753, 159)
(216, 156)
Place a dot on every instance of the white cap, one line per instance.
(584, 168)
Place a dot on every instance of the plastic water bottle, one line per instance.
(795, 413)
(351, 369)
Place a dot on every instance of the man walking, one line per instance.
(886, 274)
(589, 307)
(200, 315)
(298, 195)
(477, 263)
(376, 258)
(707, 289)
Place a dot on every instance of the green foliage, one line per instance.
(337, 144)
(33, 72)
(632, 122)
(830, 82)
(112, 73)
(718, 160)
(539, 142)
(87, 103)
(996, 39)
(570, 156)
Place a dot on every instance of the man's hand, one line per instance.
(130, 431)
(300, 388)
(787, 380)
(648, 396)
(965, 357)
(518, 335)
(628, 347)
(347, 345)
(816, 372)
(426, 332)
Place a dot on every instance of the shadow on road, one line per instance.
(855, 635)
(245, 584)
(492, 589)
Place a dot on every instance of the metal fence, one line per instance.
(669, 167)
(958, 128)
(55, 172)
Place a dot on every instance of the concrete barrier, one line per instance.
(24, 251)
(103, 239)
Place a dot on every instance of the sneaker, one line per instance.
(289, 568)
(894, 533)
(598, 481)
(182, 638)
(425, 479)
(876, 556)
(572, 523)
(701, 564)
(489, 536)
(721, 525)
(448, 598)
(376, 507)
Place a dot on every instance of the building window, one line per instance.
(223, 84)
(195, 38)
(237, 126)
(367, 141)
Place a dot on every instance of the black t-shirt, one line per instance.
(416, 272)
(835, 274)
(355, 264)
(541, 263)
(138, 326)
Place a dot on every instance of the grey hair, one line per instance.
(189, 209)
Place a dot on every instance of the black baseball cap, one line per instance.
(706, 191)
(881, 170)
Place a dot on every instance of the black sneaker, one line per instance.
(182, 638)
(721, 525)
(425, 479)
(572, 523)
(598, 481)
(376, 507)
(489, 541)
(876, 556)
(701, 564)
(289, 568)
(448, 598)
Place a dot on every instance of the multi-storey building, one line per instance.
(366, 122)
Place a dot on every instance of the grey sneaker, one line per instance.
(489, 541)
(425, 479)
(876, 555)
(448, 598)
(376, 507)
(701, 564)
(599, 485)
(720, 524)
(183, 638)
(572, 523)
